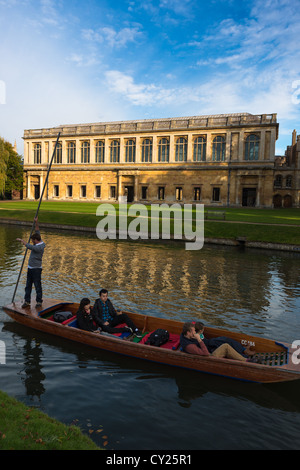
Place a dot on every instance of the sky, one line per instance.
(72, 62)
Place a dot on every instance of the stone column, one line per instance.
(208, 148)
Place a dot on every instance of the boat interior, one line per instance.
(276, 357)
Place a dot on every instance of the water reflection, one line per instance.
(251, 290)
(190, 385)
(223, 286)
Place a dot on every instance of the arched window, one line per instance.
(58, 153)
(163, 150)
(219, 145)
(71, 152)
(181, 150)
(99, 149)
(199, 154)
(147, 150)
(130, 151)
(115, 151)
(252, 147)
(37, 153)
(85, 152)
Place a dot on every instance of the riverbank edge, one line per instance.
(17, 432)
(239, 242)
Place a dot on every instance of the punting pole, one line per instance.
(36, 214)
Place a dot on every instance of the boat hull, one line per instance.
(246, 371)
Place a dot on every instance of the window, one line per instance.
(69, 190)
(197, 194)
(97, 191)
(161, 193)
(144, 192)
(130, 151)
(278, 181)
(251, 147)
(199, 154)
(163, 150)
(37, 153)
(216, 195)
(113, 192)
(71, 152)
(58, 153)
(99, 149)
(147, 150)
(85, 152)
(56, 190)
(83, 191)
(181, 150)
(178, 193)
(115, 151)
(288, 181)
(219, 145)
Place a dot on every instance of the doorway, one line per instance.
(129, 193)
(249, 197)
(36, 191)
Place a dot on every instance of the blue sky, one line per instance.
(68, 62)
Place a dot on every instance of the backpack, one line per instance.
(158, 337)
(59, 317)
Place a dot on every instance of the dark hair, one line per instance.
(85, 301)
(187, 327)
(199, 326)
(103, 291)
(36, 236)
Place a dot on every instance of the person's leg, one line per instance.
(227, 351)
(28, 287)
(123, 318)
(37, 280)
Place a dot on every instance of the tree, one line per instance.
(14, 170)
(4, 157)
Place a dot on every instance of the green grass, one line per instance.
(244, 222)
(27, 428)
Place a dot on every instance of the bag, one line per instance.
(59, 317)
(158, 337)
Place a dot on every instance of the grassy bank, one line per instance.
(27, 428)
(263, 225)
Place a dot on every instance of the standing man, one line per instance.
(34, 272)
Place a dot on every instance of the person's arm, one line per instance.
(97, 314)
(194, 349)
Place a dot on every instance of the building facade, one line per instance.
(218, 160)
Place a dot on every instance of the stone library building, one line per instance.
(216, 160)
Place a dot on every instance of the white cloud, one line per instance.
(111, 37)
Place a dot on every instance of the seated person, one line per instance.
(213, 343)
(84, 316)
(105, 316)
(191, 343)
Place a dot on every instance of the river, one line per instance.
(131, 404)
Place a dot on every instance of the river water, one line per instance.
(131, 404)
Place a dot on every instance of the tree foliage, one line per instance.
(4, 157)
(11, 168)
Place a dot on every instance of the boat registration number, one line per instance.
(246, 342)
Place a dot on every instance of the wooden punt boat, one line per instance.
(278, 359)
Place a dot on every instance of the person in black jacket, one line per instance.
(108, 319)
(84, 317)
